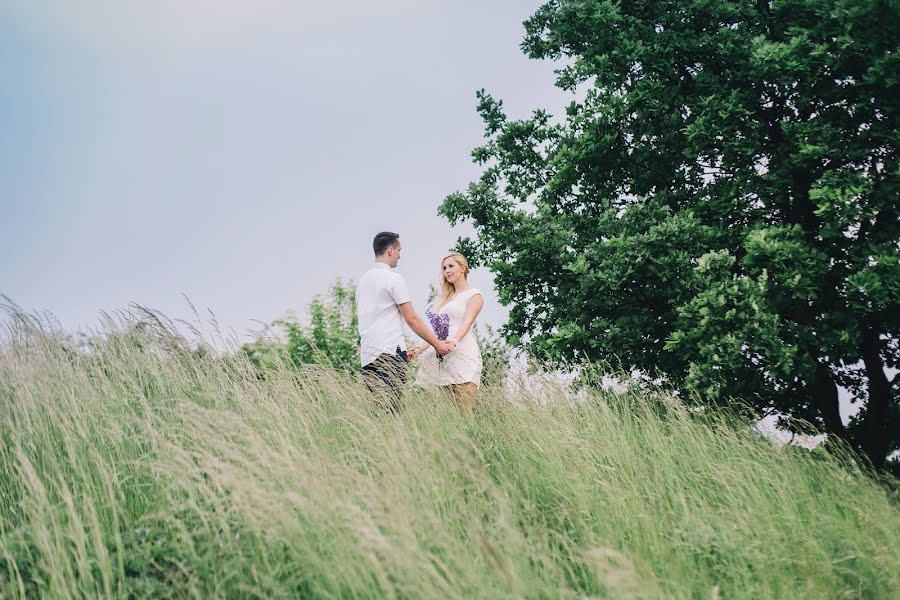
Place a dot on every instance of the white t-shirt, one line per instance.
(378, 295)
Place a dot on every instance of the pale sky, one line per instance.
(241, 153)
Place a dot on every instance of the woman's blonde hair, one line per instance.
(447, 288)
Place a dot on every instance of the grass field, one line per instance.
(139, 467)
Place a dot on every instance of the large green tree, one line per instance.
(720, 204)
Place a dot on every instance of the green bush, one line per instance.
(330, 337)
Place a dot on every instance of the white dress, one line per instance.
(463, 365)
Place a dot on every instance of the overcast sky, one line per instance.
(241, 153)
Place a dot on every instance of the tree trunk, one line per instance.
(826, 394)
(875, 431)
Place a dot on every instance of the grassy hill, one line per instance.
(140, 467)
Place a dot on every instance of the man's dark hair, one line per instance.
(383, 241)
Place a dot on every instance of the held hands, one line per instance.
(442, 348)
(445, 347)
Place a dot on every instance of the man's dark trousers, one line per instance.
(387, 375)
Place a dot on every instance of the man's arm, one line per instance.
(418, 326)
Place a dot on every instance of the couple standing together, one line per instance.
(450, 357)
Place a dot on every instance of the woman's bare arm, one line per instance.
(417, 351)
(473, 307)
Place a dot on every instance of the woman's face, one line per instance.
(453, 272)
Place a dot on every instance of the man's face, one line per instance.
(393, 254)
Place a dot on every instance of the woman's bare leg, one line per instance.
(466, 394)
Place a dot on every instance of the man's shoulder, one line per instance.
(370, 273)
(382, 276)
(380, 273)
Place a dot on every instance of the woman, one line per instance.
(458, 372)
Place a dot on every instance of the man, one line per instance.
(383, 302)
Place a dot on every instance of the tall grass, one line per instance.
(141, 467)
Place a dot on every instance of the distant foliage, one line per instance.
(495, 354)
(330, 335)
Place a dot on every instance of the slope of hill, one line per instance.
(139, 466)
